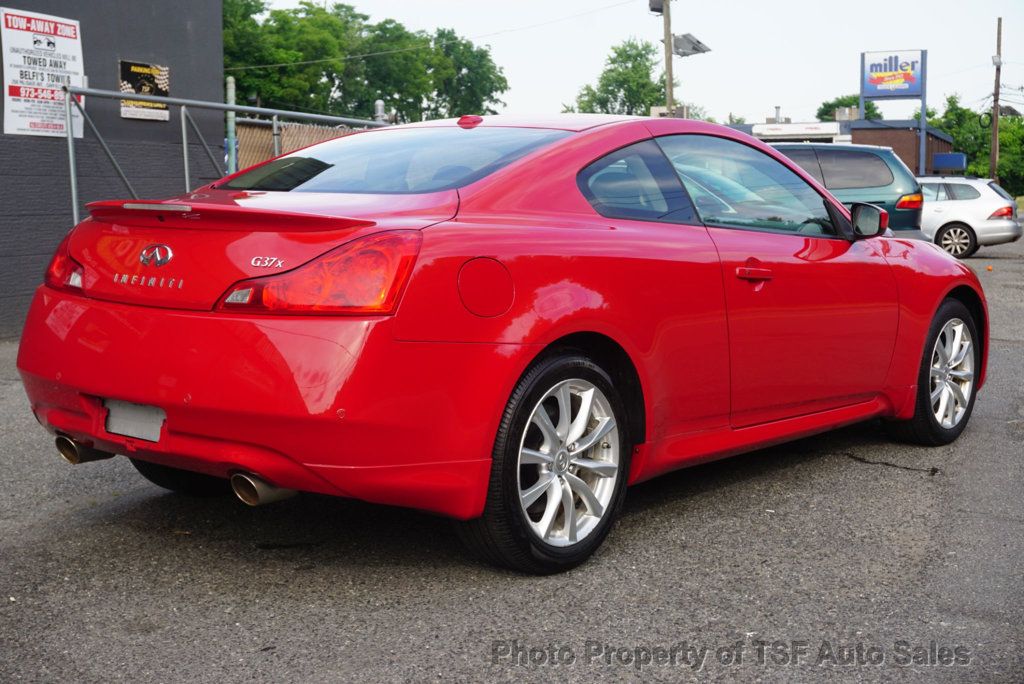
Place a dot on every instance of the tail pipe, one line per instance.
(256, 492)
(75, 452)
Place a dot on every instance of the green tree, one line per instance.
(333, 60)
(465, 78)
(965, 126)
(399, 72)
(626, 86)
(972, 134)
(827, 110)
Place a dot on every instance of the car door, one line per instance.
(934, 212)
(812, 313)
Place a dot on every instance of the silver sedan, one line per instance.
(962, 214)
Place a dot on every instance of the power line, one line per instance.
(422, 47)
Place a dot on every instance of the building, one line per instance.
(901, 135)
(184, 36)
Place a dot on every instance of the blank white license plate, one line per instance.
(134, 420)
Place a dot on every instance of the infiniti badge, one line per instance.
(156, 255)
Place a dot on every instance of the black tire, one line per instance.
(972, 240)
(503, 535)
(182, 481)
(924, 428)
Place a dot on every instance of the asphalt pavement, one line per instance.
(839, 557)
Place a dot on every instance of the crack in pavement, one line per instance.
(932, 471)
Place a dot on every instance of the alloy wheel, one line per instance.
(952, 373)
(568, 462)
(956, 241)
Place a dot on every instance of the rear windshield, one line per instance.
(412, 160)
(1002, 193)
(847, 169)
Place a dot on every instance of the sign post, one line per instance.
(897, 75)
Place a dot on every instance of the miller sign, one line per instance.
(895, 73)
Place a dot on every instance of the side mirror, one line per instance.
(868, 220)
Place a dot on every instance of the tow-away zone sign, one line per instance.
(41, 53)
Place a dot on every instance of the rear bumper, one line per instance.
(998, 231)
(321, 404)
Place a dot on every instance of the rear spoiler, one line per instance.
(210, 216)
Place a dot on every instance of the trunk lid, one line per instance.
(185, 252)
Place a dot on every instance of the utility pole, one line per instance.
(997, 60)
(670, 103)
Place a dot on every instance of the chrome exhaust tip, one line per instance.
(75, 453)
(253, 491)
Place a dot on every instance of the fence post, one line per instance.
(184, 147)
(72, 175)
(276, 134)
(232, 160)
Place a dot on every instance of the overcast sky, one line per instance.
(792, 53)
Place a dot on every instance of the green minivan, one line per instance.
(864, 173)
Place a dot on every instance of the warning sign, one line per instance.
(41, 54)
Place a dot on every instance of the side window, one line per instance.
(934, 192)
(736, 186)
(806, 160)
(637, 183)
(962, 191)
(848, 169)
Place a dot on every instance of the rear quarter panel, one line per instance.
(655, 289)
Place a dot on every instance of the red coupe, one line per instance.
(502, 321)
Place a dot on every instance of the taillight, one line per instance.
(64, 273)
(913, 201)
(1002, 212)
(365, 276)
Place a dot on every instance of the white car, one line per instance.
(961, 214)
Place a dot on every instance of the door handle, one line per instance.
(754, 274)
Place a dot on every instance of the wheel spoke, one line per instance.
(940, 349)
(541, 419)
(947, 417)
(529, 496)
(937, 392)
(953, 344)
(604, 426)
(584, 491)
(958, 394)
(579, 424)
(564, 411)
(960, 356)
(569, 511)
(599, 468)
(940, 410)
(532, 456)
(550, 508)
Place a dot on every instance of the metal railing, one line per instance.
(71, 102)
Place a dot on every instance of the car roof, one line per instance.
(961, 179)
(565, 122)
(831, 146)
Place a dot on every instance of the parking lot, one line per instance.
(845, 543)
